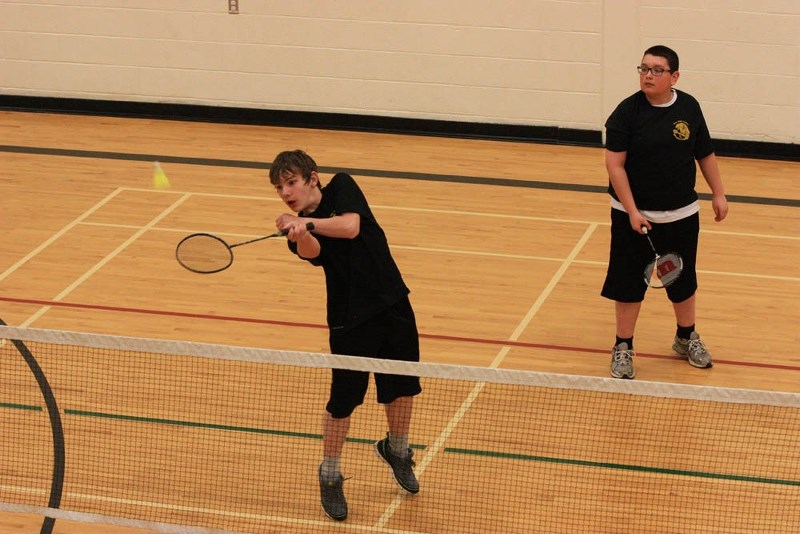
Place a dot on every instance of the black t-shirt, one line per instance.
(361, 276)
(662, 144)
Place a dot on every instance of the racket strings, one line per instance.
(663, 271)
(204, 253)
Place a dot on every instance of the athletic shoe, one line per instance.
(622, 361)
(402, 468)
(694, 350)
(332, 497)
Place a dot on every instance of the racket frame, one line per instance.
(228, 246)
(651, 270)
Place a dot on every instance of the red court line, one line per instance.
(442, 337)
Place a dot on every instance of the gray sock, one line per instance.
(398, 445)
(329, 469)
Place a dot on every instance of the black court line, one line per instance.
(56, 429)
(378, 173)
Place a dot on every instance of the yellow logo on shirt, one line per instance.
(681, 130)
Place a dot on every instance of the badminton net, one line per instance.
(170, 434)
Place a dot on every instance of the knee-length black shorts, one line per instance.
(390, 335)
(630, 253)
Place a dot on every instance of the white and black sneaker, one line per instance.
(694, 350)
(622, 361)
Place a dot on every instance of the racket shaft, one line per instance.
(276, 234)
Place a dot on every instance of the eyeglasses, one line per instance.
(656, 71)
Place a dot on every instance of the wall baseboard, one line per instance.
(366, 123)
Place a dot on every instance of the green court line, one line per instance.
(12, 406)
(192, 424)
(213, 426)
(453, 450)
(625, 467)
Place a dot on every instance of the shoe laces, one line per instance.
(409, 461)
(406, 462)
(696, 346)
(623, 356)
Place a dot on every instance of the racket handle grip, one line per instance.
(309, 227)
(644, 229)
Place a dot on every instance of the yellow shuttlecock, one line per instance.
(160, 180)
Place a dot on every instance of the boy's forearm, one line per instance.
(710, 170)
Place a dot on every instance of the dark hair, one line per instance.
(667, 53)
(291, 162)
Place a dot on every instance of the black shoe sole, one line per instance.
(334, 517)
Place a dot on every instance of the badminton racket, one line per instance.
(663, 270)
(206, 253)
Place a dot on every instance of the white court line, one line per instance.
(110, 256)
(748, 234)
(439, 250)
(551, 285)
(139, 232)
(498, 360)
(706, 228)
(438, 444)
(163, 527)
(60, 233)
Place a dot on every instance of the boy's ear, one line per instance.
(314, 179)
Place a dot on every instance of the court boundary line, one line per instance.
(462, 410)
(169, 528)
(108, 258)
(410, 175)
(442, 337)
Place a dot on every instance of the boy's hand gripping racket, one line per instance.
(663, 270)
(206, 253)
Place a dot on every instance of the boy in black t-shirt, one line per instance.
(653, 139)
(368, 310)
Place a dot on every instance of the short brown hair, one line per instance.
(291, 162)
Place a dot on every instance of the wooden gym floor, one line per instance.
(504, 247)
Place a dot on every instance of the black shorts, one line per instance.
(390, 335)
(630, 253)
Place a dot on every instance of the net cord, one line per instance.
(420, 369)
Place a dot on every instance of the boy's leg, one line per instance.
(627, 313)
(394, 449)
(398, 415)
(685, 311)
(347, 392)
(334, 434)
(622, 353)
(687, 342)
(331, 481)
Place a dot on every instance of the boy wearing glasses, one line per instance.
(653, 139)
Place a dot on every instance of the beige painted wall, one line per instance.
(530, 62)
